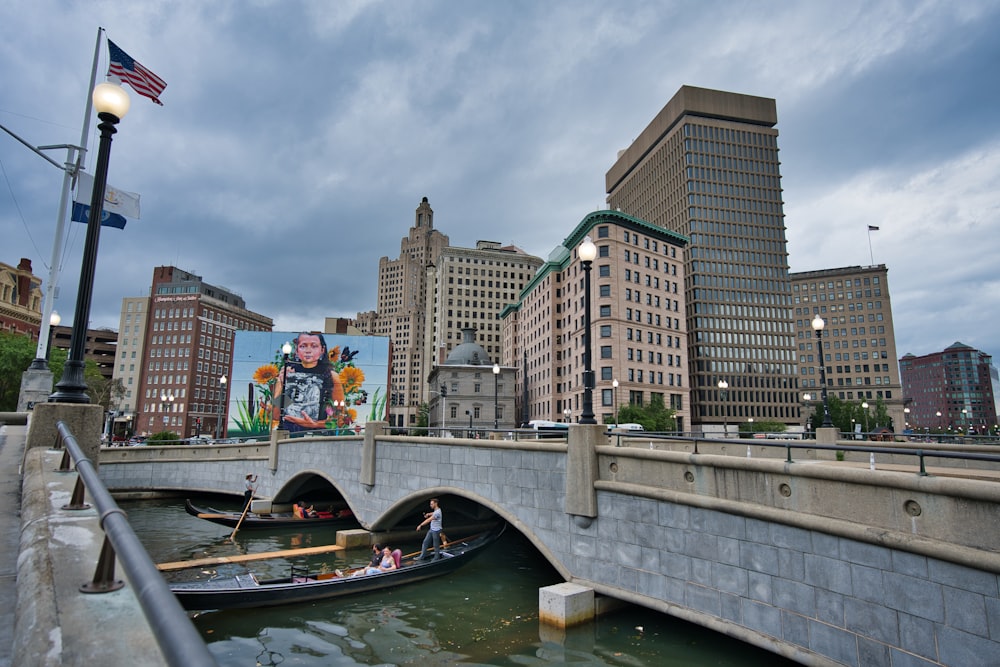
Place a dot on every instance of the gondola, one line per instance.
(243, 591)
(269, 520)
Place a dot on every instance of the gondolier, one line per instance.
(250, 487)
(434, 518)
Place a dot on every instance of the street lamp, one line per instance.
(587, 252)
(469, 412)
(807, 399)
(111, 104)
(54, 321)
(286, 350)
(567, 415)
(965, 420)
(864, 406)
(166, 403)
(906, 419)
(723, 394)
(817, 324)
(496, 397)
(222, 399)
(614, 384)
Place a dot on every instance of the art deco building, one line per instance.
(429, 295)
(189, 330)
(952, 389)
(637, 324)
(707, 168)
(859, 342)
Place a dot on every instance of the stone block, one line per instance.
(350, 539)
(565, 605)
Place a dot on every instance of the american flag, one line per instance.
(141, 79)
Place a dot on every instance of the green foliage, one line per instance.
(844, 414)
(164, 438)
(653, 417)
(16, 353)
(747, 429)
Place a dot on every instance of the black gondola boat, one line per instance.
(270, 520)
(245, 591)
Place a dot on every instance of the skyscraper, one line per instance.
(707, 167)
(430, 294)
(859, 341)
(951, 389)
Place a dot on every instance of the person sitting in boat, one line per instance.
(386, 564)
(310, 512)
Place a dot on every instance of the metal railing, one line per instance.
(176, 636)
(788, 445)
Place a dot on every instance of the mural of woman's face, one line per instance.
(309, 349)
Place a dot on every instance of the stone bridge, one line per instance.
(826, 562)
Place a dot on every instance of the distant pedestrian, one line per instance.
(433, 537)
(250, 485)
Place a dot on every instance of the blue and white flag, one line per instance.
(118, 204)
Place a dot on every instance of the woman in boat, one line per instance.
(386, 564)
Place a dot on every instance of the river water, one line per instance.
(486, 613)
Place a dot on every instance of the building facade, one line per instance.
(429, 295)
(186, 353)
(471, 392)
(951, 390)
(20, 299)
(637, 332)
(859, 341)
(707, 168)
(128, 365)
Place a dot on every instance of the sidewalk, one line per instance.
(11, 454)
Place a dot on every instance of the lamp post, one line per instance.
(286, 350)
(469, 412)
(723, 394)
(614, 384)
(864, 406)
(587, 252)
(965, 421)
(444, 405)
(496, 397)
(111, 103)
(166, 403)
(806, 399)
(54, 321)
(222, 399)
(906, 419)
(817, 324)
(567, 415)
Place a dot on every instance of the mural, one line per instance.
(332, 382)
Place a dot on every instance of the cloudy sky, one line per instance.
(297, 138)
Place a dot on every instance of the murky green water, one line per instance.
(484, 614)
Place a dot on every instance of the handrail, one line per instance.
(176, 636)
(789, 445)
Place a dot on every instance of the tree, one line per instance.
(654, 417)
(17, 351)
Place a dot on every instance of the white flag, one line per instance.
(117, 201)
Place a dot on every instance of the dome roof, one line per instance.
(469, 352)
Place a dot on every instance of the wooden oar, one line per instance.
(243, 516)
(242, 558)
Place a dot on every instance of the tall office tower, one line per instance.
(430, 294)
(859, 342)
(401, 312)
(952, 389)
(638, 348)
(187, 350)
(469, 288)
(128, 364)
(707, 167)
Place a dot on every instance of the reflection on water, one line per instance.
(486, 613)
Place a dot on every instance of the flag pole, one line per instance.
(870, 252)
(74, 157)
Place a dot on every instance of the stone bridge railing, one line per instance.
(823, 561)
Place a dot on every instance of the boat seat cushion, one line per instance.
(397, 556)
